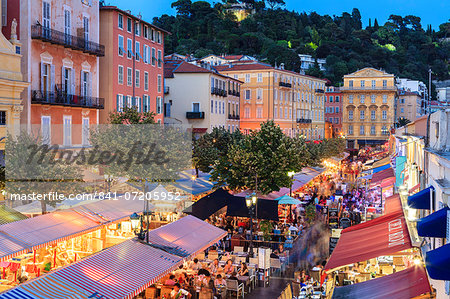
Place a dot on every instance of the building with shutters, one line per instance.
(333, 110)
(200, 99)
(369, 97)
(293, 101)
(132, 68)
(60, 50)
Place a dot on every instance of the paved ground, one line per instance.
(273, 291)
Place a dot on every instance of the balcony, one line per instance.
(69, 41)
(303, 121)
(234, 93)
(285, 84)
(233, 116)
(218, 91)
(64, 99)
(319, 90)
(195, 115)
(357, 88)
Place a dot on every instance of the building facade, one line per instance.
(132, 68)
(307, 62)
(333, 110)
(11, 86)
(224, 59)
(409, 105)
(60, 58)
(200, 98)
(369, 98)
(293, 101)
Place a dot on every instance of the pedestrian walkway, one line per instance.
(276, 286)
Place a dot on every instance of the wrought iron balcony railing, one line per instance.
(65, 99)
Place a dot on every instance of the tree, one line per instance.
(401, 122)
(130, 115)
(183, 7)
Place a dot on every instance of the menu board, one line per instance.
(264, 258)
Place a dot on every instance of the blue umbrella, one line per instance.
(287, 200)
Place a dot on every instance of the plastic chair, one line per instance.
(275, 264)
(235, 286)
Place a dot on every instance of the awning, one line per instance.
(384, 235)
(434, 225)
(392, 204)
(378, 177)
(438, 263)
(381, 164)
(389, 182)
(188, 234)
(421, 200)
(405, 284)
(25, 235)
(287, 200)
(209, 204)
(126, 269)
(8, 215)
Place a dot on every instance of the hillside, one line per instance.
(401, 46)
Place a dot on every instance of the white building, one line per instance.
(412, 86)
(225, 59)
(200, 98)
(307, 61)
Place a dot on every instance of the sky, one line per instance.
(432, 12)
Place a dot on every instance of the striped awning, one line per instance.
(25, 235)
(188, 234)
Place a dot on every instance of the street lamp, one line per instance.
(291, 175)
(135, 218)
(251, 201)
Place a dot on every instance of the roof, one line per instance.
(8, 215)
(233, 57)
(111, 7)
(177, 66)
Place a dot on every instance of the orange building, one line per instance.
(60, 58)
(132, 68)
(293, 101)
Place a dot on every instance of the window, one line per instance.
(145, 103)
(153, 56)
(85, 131)
(331, 99)
(372, 115)
(159, 58)
(384, 99)
(137, 77)
(67, 26)
(350, 83)
(363, 83)
(129, 102)
(350, 99)
(373, 84)
(145, 80)
(281, 112)
(336, 120)
(121, 48)
(2, 118)
(86, 29)
(67, 123)
(286, 112)
(384, 83)
(138, 51)
(129, 48)
(337, 109)
(361, 130)
(259, 94)
(85, 82)
(402, 110)
(220, 108)
(248, 94)
(159, 83)
(120, 74)
(129, 77)
(129, 25)
(362, 99)
(260, 77)
(350, 130)
(45, 129)
(137, 103)
(372, 130)
(120, 21)
(373, 99)
(119, 103)
(137, 28)
(331, 109)
(361, 114)
(384, 130)
(384, 114)
(337, 99)
(350, 114)
(275, 112)
(259, 112)
(158, 37)
(247, 112)
(402, 101)
(159, 105)
(247, 78)
(145, 31)
(4, 20)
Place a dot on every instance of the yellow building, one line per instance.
(293, 101)
(369, 97)
(11, 86)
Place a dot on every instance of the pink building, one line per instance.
(333, 110)
(133, 66)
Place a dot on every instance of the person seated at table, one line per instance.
(203, 270)
(233, 276)
(206, 287)
(195, 265)
(220, 281)
(229, 268)
(179, 293)
(280, 251)
(214, 266)
(171, 281)
(244, 270)
(183, 279)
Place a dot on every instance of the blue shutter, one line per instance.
(133, 102)
(117, 102)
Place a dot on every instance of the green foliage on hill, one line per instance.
(275, 35)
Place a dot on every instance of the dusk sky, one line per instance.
(432, 12)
